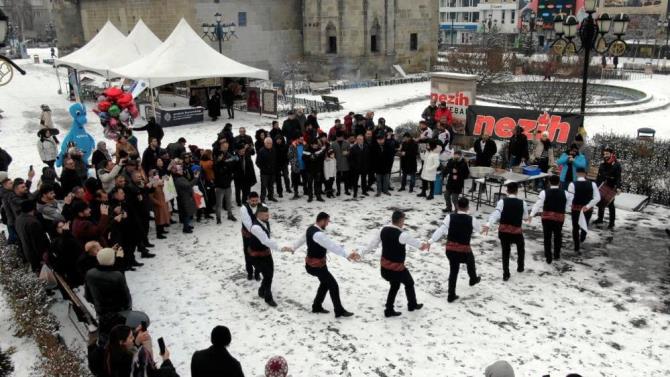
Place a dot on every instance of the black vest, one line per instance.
(583, 193)
(314, 250)
(554, 200)
(254, 243)
(392, 249)
(460, 228)
(512, 213)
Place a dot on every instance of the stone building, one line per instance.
(336, 38)
(30, 19)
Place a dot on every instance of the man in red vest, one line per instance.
(554, 204)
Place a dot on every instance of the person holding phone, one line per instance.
(129, 350)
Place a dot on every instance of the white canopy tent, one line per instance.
(143, 39)
(185, 56)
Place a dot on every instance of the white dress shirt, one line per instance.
(443, 230)
(259, 232)
(596, 192)
(322, 239)
(245, 218)
(497, 212)
(404, 239)
(539, 204)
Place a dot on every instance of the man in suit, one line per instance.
(215, 360)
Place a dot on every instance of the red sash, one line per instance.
(315, 262)
(577, 208)
(392, 266)
(553, 216)
(458, 247)
(510, 229)
(245, 233)
(259, 253)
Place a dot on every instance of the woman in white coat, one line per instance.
(47, 146)
(431, 163)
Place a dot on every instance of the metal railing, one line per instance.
(624, 74)
(367, 84)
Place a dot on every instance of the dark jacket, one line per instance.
(311, 119)
(275, 133)
(214, 106)
(69, 179)
(185, 200)
(64, 253)
(109, 290)
(224, 166)
(518, 146)
(244, 140)
(228, 97)
(175, 150)
(359, 161)
(429, 115)
(153, 130)
(247, 175)
(149, 159)
(34, 241)
(267, 161)
(281, 154)
(313, 159)
(96, 159)
(408, 162)
(5, 160)
(291, 129)
(215, 361)
(484, 156)
(456, 180)
(382, 157)
(610, 174)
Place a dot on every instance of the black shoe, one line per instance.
(506, 277)
(549, 260)
(338, 193)
(147, 255)
(257, 277)
(149, 244)
(446, 210)
(161, 236)
(295, 196)
(136, 264)
(271, 302)
(365, 193)
(343, 313)
(280, 195)
(452, 298)
(131, 269)
(411, 190)
(347, 193)
(429, 197)
(519, 269)
(273, 199)
(582, 238)
(288, 190)
(250, 276)
(232, 218)
(598, 221)
(421, 195)
(610, 227)
(309, 200)
(218, 220)
(261, 293)
(401, 189)
(187, 230)
(475, 281)
(142, 249)
(319, 310)
(556, 257)
(391, 313)
(415, 307)
(318, 199)
(378, 194)
(387, 193)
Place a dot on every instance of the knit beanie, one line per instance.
(276, 367)
(500, 368)
(106, 257)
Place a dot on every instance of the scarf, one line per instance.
(612, 159)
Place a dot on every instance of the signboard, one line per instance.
(269, 102)
(458, 91)
(253, 100)
(465, 27)
(500, 123)
(168, 117)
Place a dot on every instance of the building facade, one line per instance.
(31, 20)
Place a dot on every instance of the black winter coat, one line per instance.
(456, 180)
(109, 290)
(267, 161)
(484, 156)
(69, 179)
(281, 155)
(149, 159)
(153, 130)
(313, 159)
(408, 162)
(223, 170)
(291, 129)
(359, 158)
(382, 157)
(246, 176)
(214, 106)
(5, 160)
(215, 361)
(610, 174)
(518, 146)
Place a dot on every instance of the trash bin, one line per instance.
(646, 134)
(36, 59)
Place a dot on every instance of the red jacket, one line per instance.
(85, 230)
(348, 124)
(443, 113)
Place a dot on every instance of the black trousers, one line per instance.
(455, 261)
(355, 177)
(242, 191)
(248, 262)
(427, 187)
(395, 278)
(506, 241)
(578, 235)
(313, 186)
(343, 177)
(265, 266)
(231, 111)
(267, 187)
(297, 181)
(612, 210)
(553, 231)
(282, 172)
(371, 177)
(327, 284)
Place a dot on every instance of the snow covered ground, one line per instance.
(606, 313)
(26, 354)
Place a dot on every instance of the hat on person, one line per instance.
(220, 336)
(106, 257)
(276, 367)
(52, 131)
(500, 368)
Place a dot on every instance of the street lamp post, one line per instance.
(219, 30)
(453, 18)
(531, 26)
(592, 36)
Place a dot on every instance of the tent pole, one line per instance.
(153, 102)
(60, 89)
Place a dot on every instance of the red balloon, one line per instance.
(134, 112)
(124, 100)
(112, 93)
(104, 105)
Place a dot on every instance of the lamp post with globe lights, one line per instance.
(219, 30)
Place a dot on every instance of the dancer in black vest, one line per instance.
(554, 204)
(247, 214)
(458, 227)
(318, 244)
(394, 240)
(586, 196)
(260, 251)
(511, 211)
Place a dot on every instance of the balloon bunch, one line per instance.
(116, 110)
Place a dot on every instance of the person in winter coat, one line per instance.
(431, 162)
(341, 148)
(298, 172)
(185, 200)
(313, 157)
(47, 206)
(33, 237)
(108, 173)
(128, 354)
(543, 156)
(329, 172)
(337, 127)
(64, 253)
(428, 114)
(150, 155)
(224, 166)
(154, 130)
(456, 171)
(443, 115)
(569, 162)
(382, 161)
(107, 286)
(83, 229)
(313, 121)
(229, 101)
(499, 369)
(281, 154)
(244, 174)
(216, 360)
(609, 181)
(160, 206)
(485, 149)
(359, 161)
(517, 151)
(69, 177)
(409, 152)
(176, 149)
(47, 146)
(267, 164)
(100, 155)
(5, 160)
(291, 128)
(214, 106)
(301, 118)
(349, 123)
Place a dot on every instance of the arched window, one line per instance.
(331, 39)
(374, 36)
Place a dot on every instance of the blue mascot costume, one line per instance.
(78, 135)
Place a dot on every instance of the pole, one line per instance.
(667, 37)
(587, 43)
(452, 29)
(153, 102)
(218, 35)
